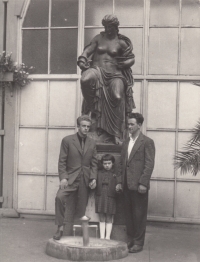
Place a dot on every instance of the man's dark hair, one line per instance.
(108, 157)
(139, 117)
(83, 118)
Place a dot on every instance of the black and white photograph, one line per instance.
(100, 130)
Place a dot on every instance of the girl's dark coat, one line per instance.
(111, 185)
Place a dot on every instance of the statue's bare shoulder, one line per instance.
(123, 44)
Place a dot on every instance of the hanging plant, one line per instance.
(10, 72)
(21, 74)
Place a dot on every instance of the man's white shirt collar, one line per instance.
(131, 144)
(131, 139)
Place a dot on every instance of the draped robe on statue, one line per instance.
(110, 112)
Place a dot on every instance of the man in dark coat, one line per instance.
(137, 163)
(77, 167)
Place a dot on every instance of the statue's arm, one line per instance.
(83, 61)
(126, 63)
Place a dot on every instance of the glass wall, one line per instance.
(165, 37)
(53, 28)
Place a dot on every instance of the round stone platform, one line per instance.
(71, 248)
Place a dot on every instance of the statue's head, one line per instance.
(110, 20)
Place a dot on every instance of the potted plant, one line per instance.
(10, 72)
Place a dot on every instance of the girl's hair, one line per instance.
(108, 157)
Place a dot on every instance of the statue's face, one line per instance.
(84, 128)
(110, 29)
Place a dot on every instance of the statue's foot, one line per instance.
(117, 141)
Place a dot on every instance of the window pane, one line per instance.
(35, 54)
(91, 33)
(190, 51)
(64, 51)
(190, 12)
(161, 105)
(30, 192)
(64, 13)
(33, 99)
(161, 197)
(137, 89)
(62, 107)
(129, 12)
(189, 105)
(164, 12)
(135, 35)
(165, 150)
(37, 14)
(32, 150)
(95, 10)
(89, 212)
(54, 141)
(163, 51)
(52, 188)
(188, 200)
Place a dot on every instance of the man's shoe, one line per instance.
(135, 249)
(58, 235)
(130, 244)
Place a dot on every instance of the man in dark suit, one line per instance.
(137, 163)
(77, 168)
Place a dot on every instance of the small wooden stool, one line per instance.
(79, 226)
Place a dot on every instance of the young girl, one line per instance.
(105, 201)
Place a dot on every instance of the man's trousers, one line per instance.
(136, 205)
(71, 202)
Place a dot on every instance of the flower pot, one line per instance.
(6, 77)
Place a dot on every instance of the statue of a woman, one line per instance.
(106, 80)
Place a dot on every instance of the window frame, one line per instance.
(144, 78)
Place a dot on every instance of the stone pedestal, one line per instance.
(71, 248)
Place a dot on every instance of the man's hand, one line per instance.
(63, 183)
(142, 189)
(119, 188)
(93, 184)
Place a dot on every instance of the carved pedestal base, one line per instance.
(71, 248)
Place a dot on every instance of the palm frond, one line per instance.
(196, 132)
(188, 160)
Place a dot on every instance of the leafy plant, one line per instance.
(188, 160)
(20, 72)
